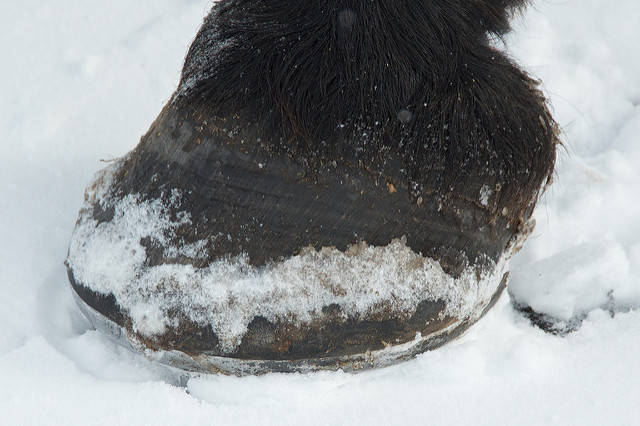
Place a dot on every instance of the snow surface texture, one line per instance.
(81, 81)
(364, 281)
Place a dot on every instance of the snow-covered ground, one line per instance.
(81, 81)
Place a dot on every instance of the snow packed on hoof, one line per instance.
(362, 284)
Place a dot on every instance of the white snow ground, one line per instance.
(82, 81)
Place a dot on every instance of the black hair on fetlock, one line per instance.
(367, 80)
(495, 14)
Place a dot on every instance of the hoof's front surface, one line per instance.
(249, 232)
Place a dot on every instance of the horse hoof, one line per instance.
(321, 192)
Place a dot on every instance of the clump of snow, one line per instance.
(485, 193)
(573, 282)
(109, 258)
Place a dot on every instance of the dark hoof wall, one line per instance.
(189, 351)
(226, 257)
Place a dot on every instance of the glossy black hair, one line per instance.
(372, 80)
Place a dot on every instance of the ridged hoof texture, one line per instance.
(256, 229)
